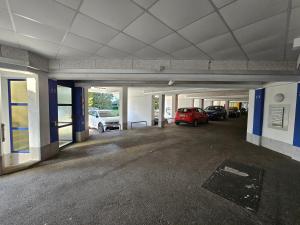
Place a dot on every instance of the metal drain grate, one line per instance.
(237, 182)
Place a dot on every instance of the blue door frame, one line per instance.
(296, 141)
(258, 116)
(10, 104)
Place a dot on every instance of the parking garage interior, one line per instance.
(150, 112)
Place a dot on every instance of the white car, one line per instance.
(103, 120)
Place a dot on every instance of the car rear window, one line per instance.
(184, 110)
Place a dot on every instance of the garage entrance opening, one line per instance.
(103, 109)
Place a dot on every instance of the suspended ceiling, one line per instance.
(153, 29)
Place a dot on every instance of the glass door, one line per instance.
(65, 121)
(18, 116)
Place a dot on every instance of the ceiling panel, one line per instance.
(218, 43)
(294, 29)
(47, 12)
(244, 12)
(189, 53)
(270, 54)
(272, 26)
(229, 54)
(222, 3)
(171, 43)
(157, 30)
(274, 41)
(80, 43)
(67, 52)
(115, 13)
(150, 53)
(71, 3)
(126, 43)
(44, 48)
(111, 53)
(3, 4)
(91, 29)
(189, 10)
(295, 3)
(201, 30)
(37, 30)
(145, 3)
(5, 21)
(291, 54)
(8, 37)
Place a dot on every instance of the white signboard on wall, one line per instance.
(279, 117)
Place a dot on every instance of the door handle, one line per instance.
(2, 132)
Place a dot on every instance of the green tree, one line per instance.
(100, 100)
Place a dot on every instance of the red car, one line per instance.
(191, 116)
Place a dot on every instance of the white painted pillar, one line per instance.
(174, 105)
(124, 108)
(227, 107)
(150, 110)
(161, 118)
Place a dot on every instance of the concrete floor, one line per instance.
(150, 176)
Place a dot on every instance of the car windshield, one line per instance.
(212, 108)
(107, 114)
(184, 110)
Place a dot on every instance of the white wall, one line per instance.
(290, 92)
(44, 108)
(139, 106)
(251, 111)
(207, 103)
(185, 102)
(278, 140)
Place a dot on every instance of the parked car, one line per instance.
(244, 111)
(191, 116)
(216, 112)
(234, 112)
(103, 120)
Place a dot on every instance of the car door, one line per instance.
(198, 114)
(92, 118)
(202, 115)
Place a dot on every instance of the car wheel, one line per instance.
(100, 128)
(195, 123)
(206, 121)
(177, 123)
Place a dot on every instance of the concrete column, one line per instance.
(202, 103)
(174, 105)
(161, 118)
(227, 107)
(124, 108)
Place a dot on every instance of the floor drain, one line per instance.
(237, 182)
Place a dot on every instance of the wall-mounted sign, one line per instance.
(279, 117)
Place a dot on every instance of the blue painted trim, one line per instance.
(258, 115)
(79, 104)
(11, 128)
(53, 110)
(19, 104)
(296, 141)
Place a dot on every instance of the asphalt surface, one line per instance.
(150, 176)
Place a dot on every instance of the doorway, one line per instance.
(65, 119)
